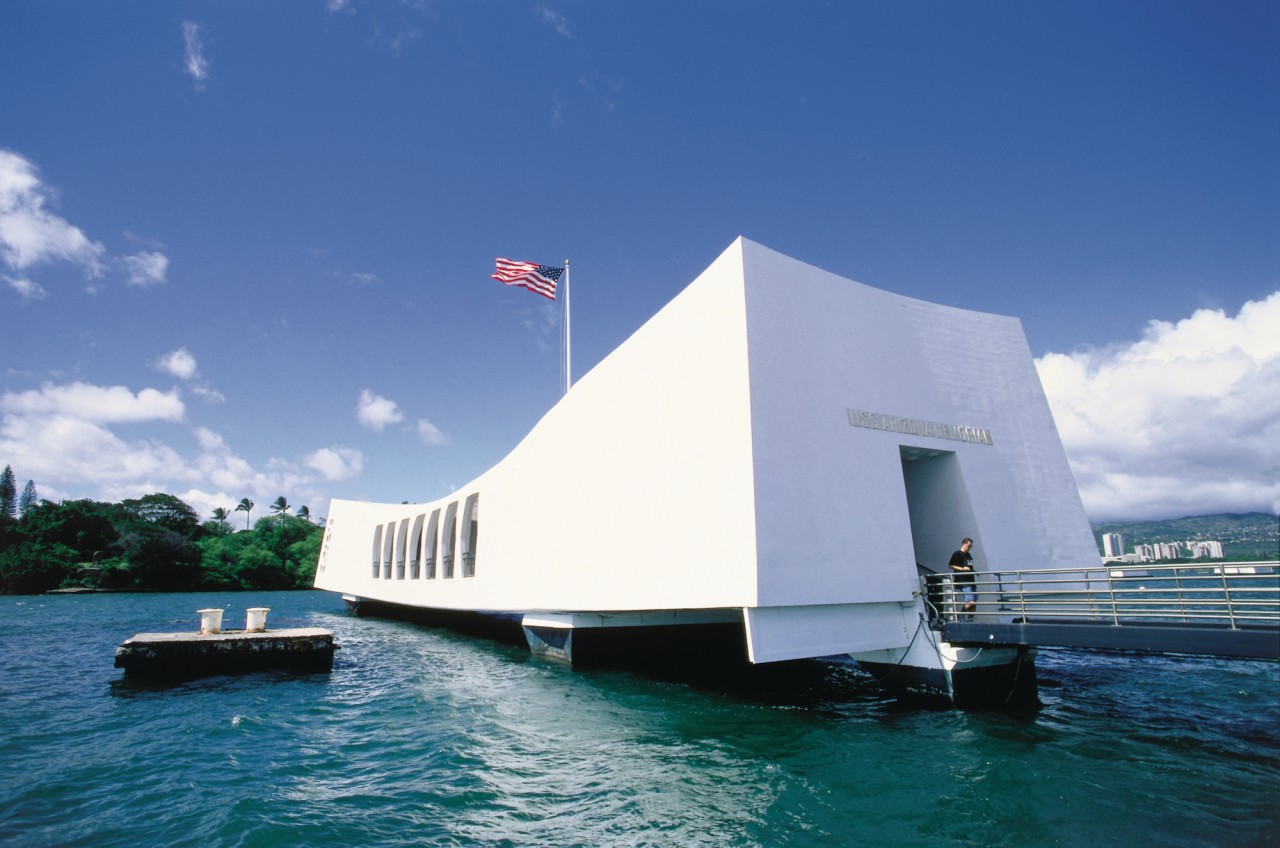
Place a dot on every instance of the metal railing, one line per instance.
(1223, 594)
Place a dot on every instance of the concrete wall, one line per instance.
(834, 522)
(634, 492)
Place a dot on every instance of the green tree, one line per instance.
(302, 556)
(10, 533)
(8, 494)
(160, 558)
(245, 506)
(262, 568)
(28, 499)
(35, 567)
(220, 515)
(280, 553)
(153, 542)
(89, 528)
(165, 511)
(295, 542)
(304, 513)
(220, 561)
(280, 507)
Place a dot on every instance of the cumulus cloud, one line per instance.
(68, 452)
(1184, 421)
(62, 436)
(376, 412)
(30, 233)
(431, 434)
(180, 363)
(95, 404)
(71, 439)
(147, 268)
(193, 60)
(336, 463)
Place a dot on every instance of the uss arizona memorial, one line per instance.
(764, 468)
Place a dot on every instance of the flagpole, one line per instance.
(568, 335)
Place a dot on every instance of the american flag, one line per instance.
(528, 275)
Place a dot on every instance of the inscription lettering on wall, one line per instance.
(913, 427)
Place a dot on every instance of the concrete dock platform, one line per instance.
(306, 649)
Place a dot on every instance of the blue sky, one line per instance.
(244, 247)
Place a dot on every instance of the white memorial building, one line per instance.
(763, 470)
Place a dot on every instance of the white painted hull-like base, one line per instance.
(933, 670)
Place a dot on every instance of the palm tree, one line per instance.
(280, 507)
(220, 516)
(304, 513)
(246, 506)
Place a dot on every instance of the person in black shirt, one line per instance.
(962, 564)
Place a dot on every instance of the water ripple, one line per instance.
(425, 737)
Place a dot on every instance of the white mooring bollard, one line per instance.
(210, 621)
(256, 619)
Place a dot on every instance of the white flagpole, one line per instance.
(568, 335)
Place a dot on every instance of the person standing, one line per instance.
(961, 565)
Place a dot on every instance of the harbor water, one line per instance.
(421, 736)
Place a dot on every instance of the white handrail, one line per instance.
(1230, 594)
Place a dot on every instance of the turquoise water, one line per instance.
(423, 737)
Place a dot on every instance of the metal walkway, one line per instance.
(1229, 609)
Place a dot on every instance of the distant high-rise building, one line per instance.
(1112, 545)
(1206, 550)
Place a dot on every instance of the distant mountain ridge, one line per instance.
(1249, 535)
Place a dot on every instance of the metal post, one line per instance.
(1226, 596)
(1177, 586)
(568, 334)
(1022, 599)
(1111, 592)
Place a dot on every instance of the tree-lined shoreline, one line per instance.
(153, 543)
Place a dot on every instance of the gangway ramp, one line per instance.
(1229, 609)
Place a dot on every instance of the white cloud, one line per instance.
(30, 234)
(147, 268)
(64, 438)
(95, 404)
(209, 440)
(336, 463)
(1184, 421)
(542, 322)
(69, 452)
(403, 39)
(376, 412)
(180, 363)
(205, 392)
(431, 434)
(193, 60)
(557, 21)
(27, 289)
